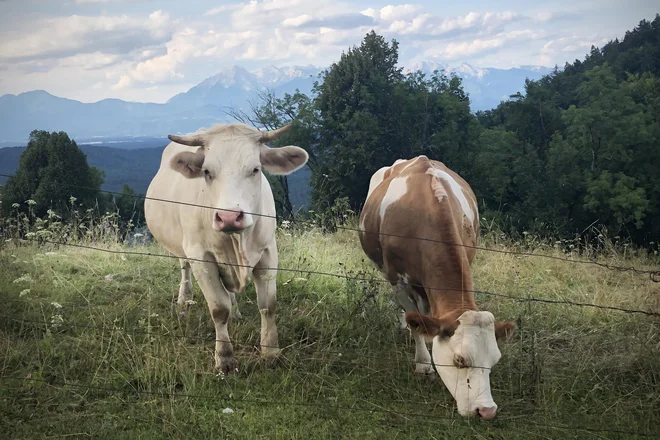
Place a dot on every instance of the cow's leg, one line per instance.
(219, 303)
(265, 283)
(185, 287)
(423, 364)
(235, 313)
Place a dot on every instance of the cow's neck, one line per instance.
(455, 290)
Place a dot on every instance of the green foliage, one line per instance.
(51, 170)
(582, 145)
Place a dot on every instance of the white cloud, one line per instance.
(107, 1)
(66, 36)
(222, 8)
(141, 55)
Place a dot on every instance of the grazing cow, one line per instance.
(431, 278)
(222, 224)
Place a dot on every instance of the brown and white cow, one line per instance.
(225, 214)
(423, 198)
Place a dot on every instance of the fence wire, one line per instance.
(354, 278)
(654, 275)
(353, 407)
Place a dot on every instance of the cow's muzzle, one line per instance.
(229, 221)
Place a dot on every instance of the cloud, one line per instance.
(108, 1)
(467, 49)
(67, 36)
(222, 8)
(339, 21)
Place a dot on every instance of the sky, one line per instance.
(150, 50)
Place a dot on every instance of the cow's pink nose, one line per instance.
(229, 220)
(487, 413)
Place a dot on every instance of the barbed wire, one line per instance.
(354, 407)
(654, 275)
(304, 349)
(354, 278)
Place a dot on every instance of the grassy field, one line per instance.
(92, 345)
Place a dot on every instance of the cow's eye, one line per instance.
(255, 171)
(207, 174)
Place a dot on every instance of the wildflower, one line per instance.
(30, 235)
(27, 278)
(23, 293)
(15, 205)
(154, 315)
(228, 411)
(30, 202)
(190, 302)
(56, 305)
(56, 321)
(72, 200)
(138, 235)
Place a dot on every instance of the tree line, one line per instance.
(53, 175)
(578, 150)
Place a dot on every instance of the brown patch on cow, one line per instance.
(504, 329)
(430, 326)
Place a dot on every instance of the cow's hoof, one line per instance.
(226, 366)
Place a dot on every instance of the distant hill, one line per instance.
(207, 103)
(136, 167)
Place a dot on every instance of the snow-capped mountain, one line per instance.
(487, 87)
(208, 102)
(235, 86)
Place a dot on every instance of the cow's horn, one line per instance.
(192, 140)
(272, 135)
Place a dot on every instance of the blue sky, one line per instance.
(149, 50)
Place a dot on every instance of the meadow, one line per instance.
(92, 345)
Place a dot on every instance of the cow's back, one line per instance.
(417, 219)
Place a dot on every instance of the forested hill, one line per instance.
(582, 146)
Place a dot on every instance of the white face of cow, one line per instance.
(464, 351)
(230, 159)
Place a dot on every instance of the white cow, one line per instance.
(223, 226)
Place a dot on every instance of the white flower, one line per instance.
(56, 305)
(56, 321)
(138, 235)
(15, 205)
(30, 235)
(27, 278)
(30, 202)
(154, 315)
(72, 200)
(23, 293)
(190, 302)
(228, 411)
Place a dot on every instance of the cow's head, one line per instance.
(230, 159)
(464, 350)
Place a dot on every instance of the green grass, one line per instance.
(139, 368)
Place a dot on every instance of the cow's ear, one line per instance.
(504, 329)
(430, 326)
(283, 160)
(188, 163)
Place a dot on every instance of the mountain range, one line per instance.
(208, 102)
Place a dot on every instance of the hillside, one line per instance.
(136, 167)
(208, 102)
